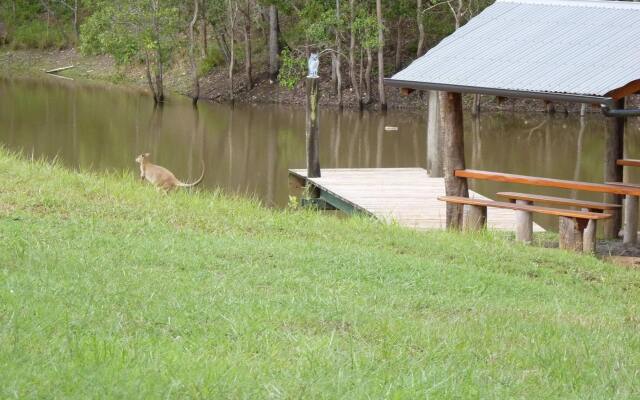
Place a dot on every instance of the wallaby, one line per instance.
(161, 177)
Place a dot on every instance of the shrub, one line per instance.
(213, 59)
(37, 35)
(292, 69)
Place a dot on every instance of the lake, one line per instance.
(247, 149)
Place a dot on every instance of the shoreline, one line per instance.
(214, 86)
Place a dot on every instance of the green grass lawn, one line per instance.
(109, 289)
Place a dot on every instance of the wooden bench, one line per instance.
(572, 223)
(628, 163)
(591, 206)
(631, 193)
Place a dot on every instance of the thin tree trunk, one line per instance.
(338, 59)
(159, 66)
(247, 45)
(232, 17)
(352, 61)
(361, 72)
(398, 45)
(76, 26)
(274, 50)
(203, 24)
(192, 56)
(383, 100)
(221, 39)
(475, 107)
(367, 76)
(421, 34)
(264, 15)
(334, 76)
(148, 75)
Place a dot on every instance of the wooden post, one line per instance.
(614, 146)
(589, 235)
(550, 107)
(570, 233)
(434, 138)
(475, 107)
(312, 128)
(475, 218)
(524, 223)
(630, 220)
(453, 133)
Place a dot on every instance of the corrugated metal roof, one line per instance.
(584, 48)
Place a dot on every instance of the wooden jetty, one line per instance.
(407, 196)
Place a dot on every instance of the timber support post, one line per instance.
(475, 218)
(614, 147)
(434, 137)
(524, 223)
(589, 234)
(571, 233)
(630, 220)
(453, 133)
(313, 130)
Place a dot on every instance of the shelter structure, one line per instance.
(553, 50)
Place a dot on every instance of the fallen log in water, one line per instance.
(56, 70)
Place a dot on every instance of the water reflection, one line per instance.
(248, 149)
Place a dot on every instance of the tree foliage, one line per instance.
(154, 33)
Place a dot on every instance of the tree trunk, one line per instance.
(221, 39)
(334, 75)
(352, 57)
(159, 61)
(367, 76)
(475, 107)
(203, 24)
(398, 45)
(192, 56)
(247, 45)
(148, 75)
(232, 61)
(338, 59)
(421, 34)
(274, 50)
(383, 100)
(453, 132)
(76, 26)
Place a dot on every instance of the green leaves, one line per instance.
(126, 29)
(292, 69)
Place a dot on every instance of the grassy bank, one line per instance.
(111, 290)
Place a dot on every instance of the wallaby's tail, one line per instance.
(181, 184)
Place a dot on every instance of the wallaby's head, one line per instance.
(142, 158)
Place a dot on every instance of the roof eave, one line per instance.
(549, 96)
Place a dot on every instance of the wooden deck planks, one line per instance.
(407, 196)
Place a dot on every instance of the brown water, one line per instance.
(248, 149)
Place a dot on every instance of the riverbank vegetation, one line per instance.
(249, 42)
(110, 289)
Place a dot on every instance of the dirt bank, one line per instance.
(215, 86)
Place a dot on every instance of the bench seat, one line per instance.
(559, 201)
(614, 189)
(572, 222)
(628, 162)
